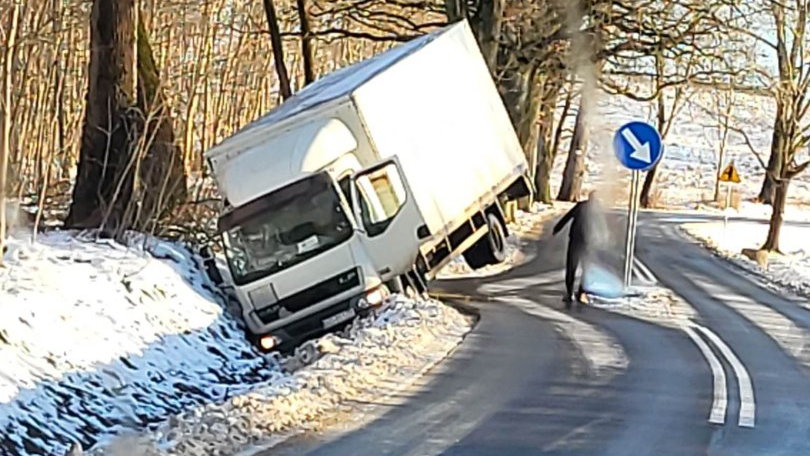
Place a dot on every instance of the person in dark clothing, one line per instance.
(585, 236)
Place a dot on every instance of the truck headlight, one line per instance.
(373, 298)
(269, 342)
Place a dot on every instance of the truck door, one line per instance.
(388, 216)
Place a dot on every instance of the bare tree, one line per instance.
(583, 63)
(108, 126)
(789, 85)
(551, 126)
(723, 103)
(306, 41)
(130, 170)
(5, 129)
(278, 49)
(536, 38)
(665, 115)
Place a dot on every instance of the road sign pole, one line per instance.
(636, 202)
(728, 204)
(632, 217)
(629, 229)
(638, 147)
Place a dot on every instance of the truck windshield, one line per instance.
(284, 228)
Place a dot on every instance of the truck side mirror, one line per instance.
(210, 263)
(423, 232)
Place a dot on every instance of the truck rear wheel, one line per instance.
(490, 249)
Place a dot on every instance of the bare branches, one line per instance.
(751, 147)
(795, 170)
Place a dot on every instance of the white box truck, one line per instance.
(369, 180)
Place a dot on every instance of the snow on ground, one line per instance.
(652, 303)
(393, 348)
(525, 224)
(792, 269)
(96, 337)
(99, 339)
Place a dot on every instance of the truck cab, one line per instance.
(325, 245)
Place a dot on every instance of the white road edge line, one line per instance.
(747, 404)
(646, 271)
(720, 403)
(637, 273)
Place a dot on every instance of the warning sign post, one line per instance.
(729, 176)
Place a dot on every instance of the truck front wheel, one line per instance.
(490, 249)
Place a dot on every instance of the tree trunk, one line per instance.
(306, 42)
(542, 177)
(278, 50)
(103, 185)
(130, 170)
(778, 144)
(162, 177)
(545, 153)
(721, 158)
(575, 165)
(777, 214)
(487, 24)
(646, 189)
(649, 178)
(723, 142)
(5, 131)
(456, 10)
(549, 143)
(768, 191)
(519, 90)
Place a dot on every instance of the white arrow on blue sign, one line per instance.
(638, 146)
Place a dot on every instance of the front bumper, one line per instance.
(312, 326)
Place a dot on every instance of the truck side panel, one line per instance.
(439, 111)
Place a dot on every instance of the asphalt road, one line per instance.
(533, 378)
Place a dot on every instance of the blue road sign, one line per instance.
(638, 146)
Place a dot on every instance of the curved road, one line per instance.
(535, 379)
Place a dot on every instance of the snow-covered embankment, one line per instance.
(98, 339)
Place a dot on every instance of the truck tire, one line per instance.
(490, 249)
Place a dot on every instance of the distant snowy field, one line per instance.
(97, 338)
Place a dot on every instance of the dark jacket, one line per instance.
(588, 227)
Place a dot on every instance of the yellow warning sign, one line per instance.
(730, 174)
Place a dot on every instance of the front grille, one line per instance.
(269, 314)
(322, 291)
(313, 324)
